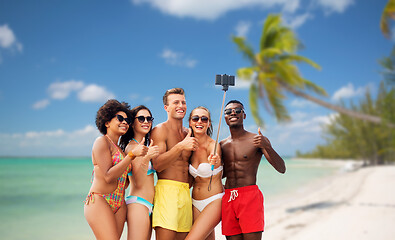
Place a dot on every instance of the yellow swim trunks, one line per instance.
(172, 206)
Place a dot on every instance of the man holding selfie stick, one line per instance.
(242, 204)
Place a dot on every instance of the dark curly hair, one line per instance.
(210, 128)
(108, 112)
(125, 139)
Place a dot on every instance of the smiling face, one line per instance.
(145, 126)
(116, 126)
(176, 106)
(234, 119)
(199, 121)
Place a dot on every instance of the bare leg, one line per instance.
(181, 235)
(101, 219)
(235, 237)
(205, 222)
(120, 218)
(165, 234)
(252, 236)
(139, 222)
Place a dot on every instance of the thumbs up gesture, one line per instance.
(189, 143)
(140, 149)
(261, 141)
(153, 151)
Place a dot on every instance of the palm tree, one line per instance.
(273, 72)
(388, 13)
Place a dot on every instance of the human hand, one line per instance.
(261, 141)
(153, 151)
(213, 159)
(189, 143)
(140, 149)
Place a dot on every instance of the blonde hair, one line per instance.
(172, 91)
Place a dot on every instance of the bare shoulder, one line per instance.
(225, 141)
(159, 130)
(100, 142)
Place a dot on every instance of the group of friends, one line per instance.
(131, 151)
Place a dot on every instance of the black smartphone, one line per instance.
(147, 140)
(192, 135)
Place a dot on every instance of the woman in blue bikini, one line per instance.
(207, 193)
(141, 196)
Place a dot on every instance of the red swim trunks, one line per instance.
(242, 211)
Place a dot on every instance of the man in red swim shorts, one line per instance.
(242, 204)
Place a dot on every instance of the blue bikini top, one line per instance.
(151, 169)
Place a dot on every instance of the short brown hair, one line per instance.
(172, 91)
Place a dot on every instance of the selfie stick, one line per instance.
(225, 81)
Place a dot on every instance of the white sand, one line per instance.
(354, 205)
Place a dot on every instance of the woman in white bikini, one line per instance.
(207, 187)
(141, 177)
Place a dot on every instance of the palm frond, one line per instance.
(254, 105)
(388, 13)
(244, 48)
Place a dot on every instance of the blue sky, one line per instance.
(61, 60)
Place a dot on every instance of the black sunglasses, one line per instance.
(121, 119)
(230, 110)
(142, 119)
(196, 118)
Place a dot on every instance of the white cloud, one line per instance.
(338, 6)
(85, 93)
(94, 93)
(61, 90)
(304, 132)
(242, 28)
(301, 103)
(211, 10)
(8, 40)
(291, 6)
(295, 22)
(50, 143)
(242, 84)
(41, 104)
(177, 58)
(348, 92)
(7, 37)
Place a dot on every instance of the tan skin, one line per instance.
(204, 222)
(241, 153)
(175, 147)
(138, 218)
(104, 223)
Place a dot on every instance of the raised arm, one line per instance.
(271, 155)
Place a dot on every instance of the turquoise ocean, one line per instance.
(42, 198)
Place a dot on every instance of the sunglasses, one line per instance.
(230, 110)
(142, 119)
(196, 118)
(121, 119)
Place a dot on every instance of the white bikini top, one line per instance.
(204, 170)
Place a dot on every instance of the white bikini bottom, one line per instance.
(201, 204)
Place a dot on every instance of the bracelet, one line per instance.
(131, 155)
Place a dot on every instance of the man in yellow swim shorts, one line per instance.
(172, 214)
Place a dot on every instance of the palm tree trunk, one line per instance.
(336, 108)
